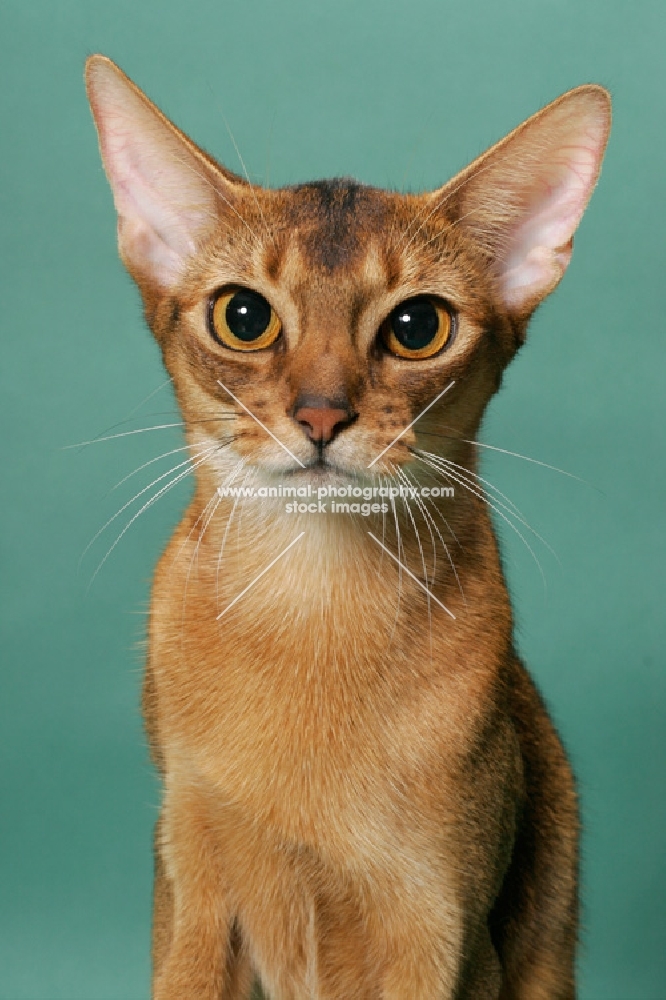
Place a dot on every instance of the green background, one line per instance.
(400, 94)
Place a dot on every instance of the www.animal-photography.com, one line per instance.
(333, 501)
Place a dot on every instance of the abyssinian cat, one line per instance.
(364, 796)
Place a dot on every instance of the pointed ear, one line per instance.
(523, 199)
(166, 190)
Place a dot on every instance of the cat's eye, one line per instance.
(418, 328)
(243, 320)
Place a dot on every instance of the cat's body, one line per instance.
(364, 796)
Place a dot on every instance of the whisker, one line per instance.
(226, 482)
(462, 476)
(512, 512)
(149, 503)
(475, 475)
(415, 578)
(446, 548)
(250, 476)
(427, 516)
(437, 479)
(112, 437)
(382, 481)
(136, 497)
(167, 381)
(227, 528)
(151, 461)
(403, 478)
(513, 454)
(484, 499)
(215, 500)
(143, 430)
(230, 438)
(399, 547)
(138, 406)
(423, 562)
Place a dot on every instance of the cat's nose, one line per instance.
(321, 418)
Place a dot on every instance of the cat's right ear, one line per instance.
(167, 192)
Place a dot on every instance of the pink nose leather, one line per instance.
(321, 424)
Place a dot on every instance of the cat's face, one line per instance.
(357, 311)
(306, 328)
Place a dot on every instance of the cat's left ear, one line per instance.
(523, 199)
(167, 192)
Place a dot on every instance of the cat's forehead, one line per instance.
(335, 221)
(339, 245)
(342, 235)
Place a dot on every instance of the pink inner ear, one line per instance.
(142, 197)
(164, 198)
(539, 242)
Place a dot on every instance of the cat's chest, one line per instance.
(308, 689)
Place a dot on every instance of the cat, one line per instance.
(364, 796)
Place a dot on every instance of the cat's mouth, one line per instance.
(321, 468)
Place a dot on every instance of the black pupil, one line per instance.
(248, 315)
(415, 323)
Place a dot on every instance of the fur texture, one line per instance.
(364, 796)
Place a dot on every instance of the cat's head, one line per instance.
(333, 312)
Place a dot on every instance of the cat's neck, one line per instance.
(313, 558)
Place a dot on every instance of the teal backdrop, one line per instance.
(400, 94)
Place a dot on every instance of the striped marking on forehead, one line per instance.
(293, 272)
(336, 220)
(333, 231)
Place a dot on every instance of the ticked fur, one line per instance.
(363, 794)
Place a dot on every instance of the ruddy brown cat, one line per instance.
(364, 796)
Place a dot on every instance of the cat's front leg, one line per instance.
(421, 957)
(420, 976)
(197, 950)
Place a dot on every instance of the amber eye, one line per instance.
(243, 320)
(417, 328)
